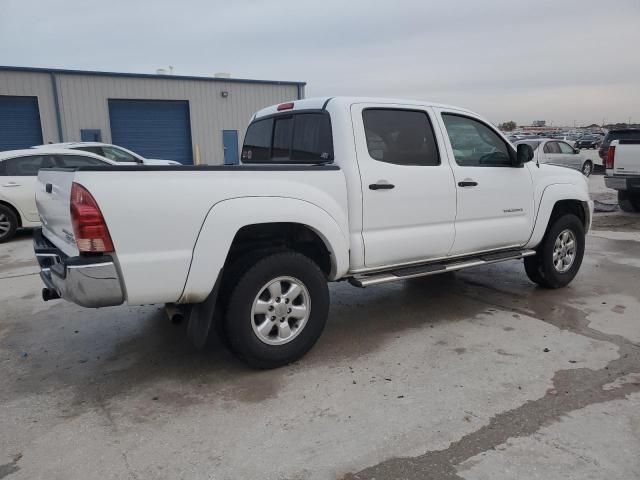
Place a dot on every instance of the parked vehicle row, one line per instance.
(365, 190)
(19, 168)
(18, 179)
(114, 153)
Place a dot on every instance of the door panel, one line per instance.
(571, 158)
(495, 200)
(230, 142)
(408, 209)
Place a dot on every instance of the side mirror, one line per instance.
(576, 150)
(524, 154)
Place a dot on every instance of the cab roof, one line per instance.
(320, 103)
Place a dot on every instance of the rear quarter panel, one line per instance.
(156, 217)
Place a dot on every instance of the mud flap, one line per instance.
(200, 318)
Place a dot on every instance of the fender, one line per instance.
(224, 220)
(550, 196)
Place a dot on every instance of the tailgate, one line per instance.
(627, 158)
(53, 195)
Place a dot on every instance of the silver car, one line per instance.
(558, 152)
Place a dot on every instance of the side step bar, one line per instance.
(365, 280)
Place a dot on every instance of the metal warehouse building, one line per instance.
(188, 119)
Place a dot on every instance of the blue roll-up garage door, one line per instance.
(19, 122)
(152, 128)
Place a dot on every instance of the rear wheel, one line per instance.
(629, 202)
(8, 223)
(277, 310)
(587, 168)
(559, 255)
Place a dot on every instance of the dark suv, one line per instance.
(620, 134)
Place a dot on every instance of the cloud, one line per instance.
(558, 60)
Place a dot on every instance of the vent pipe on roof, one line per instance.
(165, 71)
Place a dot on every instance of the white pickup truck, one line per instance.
(364, 190)
(622, 166)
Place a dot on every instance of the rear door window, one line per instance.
(72, 161)
(303, 137)
(552, 147)
(401, 137)
(27, 166)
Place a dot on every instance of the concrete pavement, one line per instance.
(478, 375)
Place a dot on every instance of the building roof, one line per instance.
(61, 71)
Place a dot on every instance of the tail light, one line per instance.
(89, 227)
(611, 156)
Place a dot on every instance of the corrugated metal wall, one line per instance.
(83, 101)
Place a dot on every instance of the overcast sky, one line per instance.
(561, 60)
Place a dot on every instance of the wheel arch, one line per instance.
(557, 200)
(238, 225)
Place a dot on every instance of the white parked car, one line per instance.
(558, 152)
(114, 153)
(18, 179)
(359, 189)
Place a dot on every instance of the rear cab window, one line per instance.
(297, 137)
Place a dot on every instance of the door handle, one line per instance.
(48, 188)
(11, 184)
(381, 186)
(467, 183)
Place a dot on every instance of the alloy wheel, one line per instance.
(280, 310)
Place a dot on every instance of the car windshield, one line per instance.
(118, 155)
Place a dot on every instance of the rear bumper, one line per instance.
(87, 281)
(617, 182)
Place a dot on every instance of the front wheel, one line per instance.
(559, 255)
(587, 168)
(277, 310)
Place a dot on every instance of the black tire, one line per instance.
(9, 224)
(231, 277)
(238, 321)
(629, 202)
(540, 268)
(587, 168)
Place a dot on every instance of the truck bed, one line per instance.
(166, 207)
